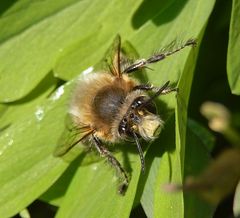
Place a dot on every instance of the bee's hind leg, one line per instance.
(114, 162)
(171, 49)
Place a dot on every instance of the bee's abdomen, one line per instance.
(107, 102)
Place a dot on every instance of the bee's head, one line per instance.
(141, 119)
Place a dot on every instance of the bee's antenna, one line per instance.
(139, 151)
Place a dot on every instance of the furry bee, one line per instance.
(109, 107)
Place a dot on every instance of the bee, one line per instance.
(110, 107)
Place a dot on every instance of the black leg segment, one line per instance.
(171, 49)
(114, 162)
(139, 151)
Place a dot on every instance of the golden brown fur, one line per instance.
(82, 109)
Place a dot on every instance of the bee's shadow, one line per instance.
(59, 188)
(167, 11)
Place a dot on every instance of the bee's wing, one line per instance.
(111, 58)
(128, 56)
(72, 135)
(116, 57)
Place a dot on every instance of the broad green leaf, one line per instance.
(27, 166)
(173, 163)
(93, 192)
(155, 158)
(31, 52)
(3, 109)
(27, 32)
(197, 157)
(55, 194)
(207, 140)
(78, 57)
(30, 104)
(198, 140)
(31, 13)
(233, 62)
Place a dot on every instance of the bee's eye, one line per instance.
(137, 102)
(123, 126)
(123, 129)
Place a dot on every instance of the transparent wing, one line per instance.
(111, 58)
(72, 135)
(117, 57)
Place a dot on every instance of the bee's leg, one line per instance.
(114, 162)
(139, 151)
(157, 57)
(163, 90)
(144, 87)
(149, 87)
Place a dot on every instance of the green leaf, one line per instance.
(31, 13)
(156, 157)
(198, 140)
(27, 166)
(197, 157)
(171, 164)
(30, 104)
(29, 50)
(233, 62)
(205, 137)
(93, 192)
